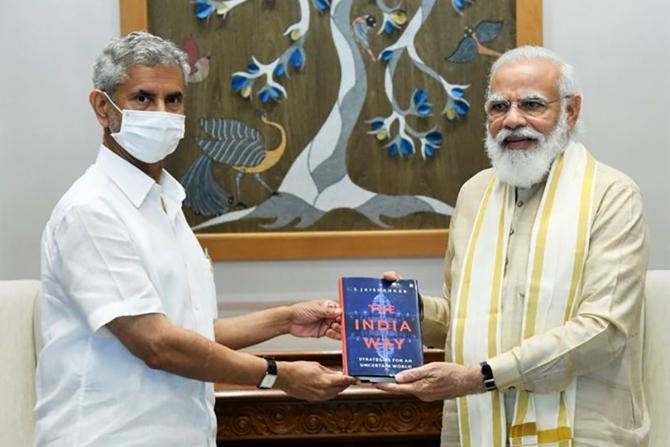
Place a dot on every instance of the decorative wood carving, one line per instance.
(248, 416)
(284, 419)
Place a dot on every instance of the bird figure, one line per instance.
(361, 27)
(471, 44)
(235, 144)
(199, 65)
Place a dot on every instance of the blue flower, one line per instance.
(203, 9)
(420, 96)
(376, 125)
(239, 82)
(456, 108)
(252, 68)
(388, 27)
(322, 5)
(429, 150)
(462, 107)
(457, 92)
(424, 110)
(406, 147)
(264, 95)
(386, 55)
(297, 58)
(275, 93)
(434, 138)
(392, 150)
(280, 70)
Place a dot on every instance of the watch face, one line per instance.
(268, 381)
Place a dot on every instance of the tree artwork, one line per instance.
(379, 108)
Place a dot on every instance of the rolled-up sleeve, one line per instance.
(608, 310)
(101, 270)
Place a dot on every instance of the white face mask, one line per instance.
(149, 136)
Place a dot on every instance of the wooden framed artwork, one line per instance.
(331, 128)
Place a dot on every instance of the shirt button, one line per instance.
(519, 203)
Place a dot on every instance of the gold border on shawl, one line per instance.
(521, 430)
(464, 419)
(538, 261)
(493, 316)
(580, 250)
(538, 264)
(554, 435)
(551, 436)
(563, 420)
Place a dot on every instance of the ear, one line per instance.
(574, 107)
(99, 102)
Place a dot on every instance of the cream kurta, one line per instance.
(602, 349)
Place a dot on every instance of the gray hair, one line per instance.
(137, 48)
(567, 83)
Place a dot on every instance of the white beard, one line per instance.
(526, 167)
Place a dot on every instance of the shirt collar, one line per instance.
(173, 192)
(135, 184)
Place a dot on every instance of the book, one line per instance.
(381, 328)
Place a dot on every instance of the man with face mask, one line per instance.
(544, 276)
(132, 342)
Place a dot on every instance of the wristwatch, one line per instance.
(268, 380)
(487, 376)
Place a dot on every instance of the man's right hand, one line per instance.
(391, 275)
(310, 380)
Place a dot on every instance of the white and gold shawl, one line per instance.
(558, 249)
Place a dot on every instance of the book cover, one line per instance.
(381, 330)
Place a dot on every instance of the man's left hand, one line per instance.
(437, 381)
(315, 319)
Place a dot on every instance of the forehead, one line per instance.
(168, 78)
(517, 79)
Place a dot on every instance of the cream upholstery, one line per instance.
(19, 344)
(657, 355)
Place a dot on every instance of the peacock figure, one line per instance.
(235, 144)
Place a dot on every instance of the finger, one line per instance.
(391, 275)
(410, 375)
(331, 312)
(332, 333)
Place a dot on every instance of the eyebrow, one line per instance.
(177, 94)
(531, 95)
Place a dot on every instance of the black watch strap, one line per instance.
(270, 376)
(487, 376)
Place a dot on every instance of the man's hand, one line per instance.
(310, 380)
(437, 381)
(315, 319)
(390, 275)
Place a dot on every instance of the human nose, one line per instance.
(160, 106)
(514, 117)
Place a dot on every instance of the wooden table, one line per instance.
(360, 415)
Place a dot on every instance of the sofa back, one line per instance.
(20, 341)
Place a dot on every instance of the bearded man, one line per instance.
(544, 277)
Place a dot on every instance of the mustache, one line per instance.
(521, 132)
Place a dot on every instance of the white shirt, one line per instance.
(118, 244)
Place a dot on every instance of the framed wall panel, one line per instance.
(356, 78)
